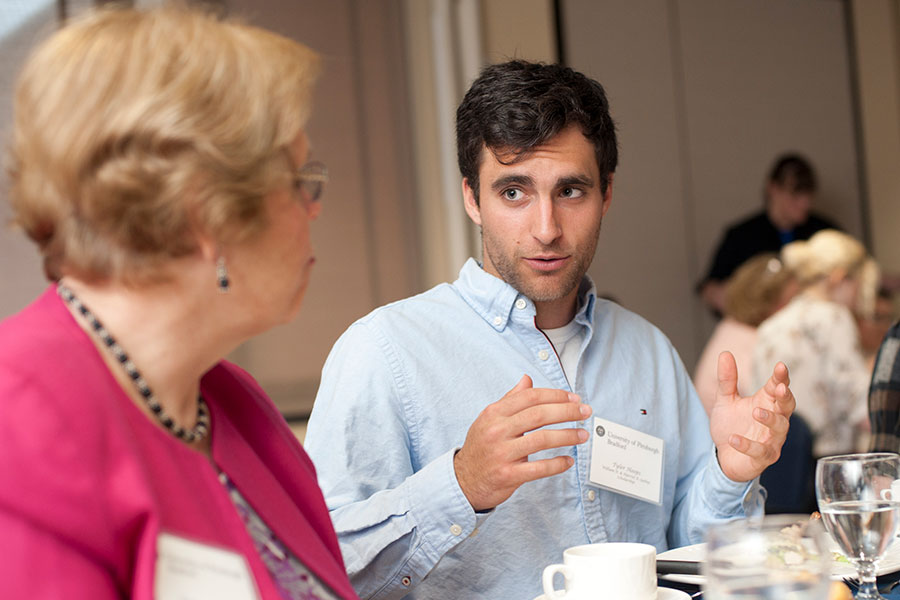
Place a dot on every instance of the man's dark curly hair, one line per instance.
(515, 106)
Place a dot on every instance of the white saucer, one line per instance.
(662, 593)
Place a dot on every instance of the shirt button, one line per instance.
(520, 304)
(543, 355)
(455, 529)
(406, 580)
(498, 321)
(592, 495)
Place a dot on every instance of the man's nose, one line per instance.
(545, 227)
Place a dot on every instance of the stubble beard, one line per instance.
(537, 286)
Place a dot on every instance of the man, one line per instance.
(788, 196)
(437, 489)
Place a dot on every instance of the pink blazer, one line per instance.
(88, 482)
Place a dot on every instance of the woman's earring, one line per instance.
(222, 275)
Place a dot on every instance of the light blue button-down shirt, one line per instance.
(401, 388)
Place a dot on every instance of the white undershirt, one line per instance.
(566, 341)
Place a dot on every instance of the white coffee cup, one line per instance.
(893, 494)
(621, 570)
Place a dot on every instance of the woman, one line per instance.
(160, 163)
(758, 288)
(817, 338)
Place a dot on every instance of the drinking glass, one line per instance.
(776, 557)
(850, 489)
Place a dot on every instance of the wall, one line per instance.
(519, 29)
(706, 93)
(21, 277)
(876, 31)
(367, 237)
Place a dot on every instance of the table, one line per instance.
(888, 585)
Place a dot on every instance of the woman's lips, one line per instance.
(547, 264)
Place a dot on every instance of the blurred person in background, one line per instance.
(884, 395)
(874, 327)
(159, 162)
(786, 217)
(816, 335)
(884, 388)
(754, 292)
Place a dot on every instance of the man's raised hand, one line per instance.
(749, 431)
(493, 461)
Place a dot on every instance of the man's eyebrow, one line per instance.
(507, 180)
(583, 180)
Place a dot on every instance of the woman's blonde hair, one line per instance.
(135, 130)
(823, 253)
(756, 289)
(869, 285)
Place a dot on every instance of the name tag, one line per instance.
(188, 570)
(626, 461)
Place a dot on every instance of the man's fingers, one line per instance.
(755, 450)
(784, 399)
(524, 384)
(779, 424)
(546, 467)
(539, 415)
(781, 372)
(780, 375)
(726, 371)
(519, 399)
(544, 439)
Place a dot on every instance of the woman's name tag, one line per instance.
(189, 570)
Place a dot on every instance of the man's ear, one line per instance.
(607, 197)
(472, 208)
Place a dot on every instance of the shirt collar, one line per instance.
(494, 299)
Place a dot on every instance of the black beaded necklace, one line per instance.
(197, 433)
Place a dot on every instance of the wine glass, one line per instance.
(776, 557)
(851, 491)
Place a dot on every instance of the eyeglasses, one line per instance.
(310, 180)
